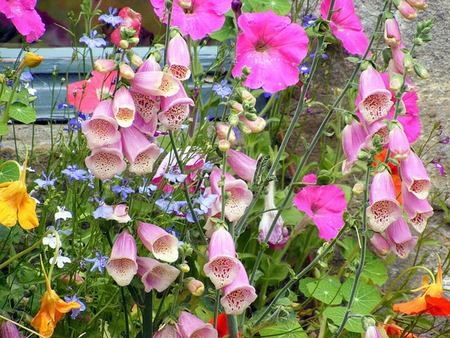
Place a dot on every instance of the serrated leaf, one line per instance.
(326, 290)
(226, 32)
(366, 298)
(280, 7)
(9, 172)
(22, 113)
(3, 129)
(336, 314)
(290, 329)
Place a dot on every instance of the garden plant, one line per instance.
(257, 195)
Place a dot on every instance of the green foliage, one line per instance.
(22, 112)
(280, 7)
(9, 171)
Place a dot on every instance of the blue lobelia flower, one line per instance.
(99, 262)
(75, 312)
(74, 173)
(111, 18)
(93, 42)
(47, 182)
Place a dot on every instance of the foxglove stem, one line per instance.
(5, 116)
(147, 323)
(232, 326)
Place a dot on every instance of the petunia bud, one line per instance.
(196, 287)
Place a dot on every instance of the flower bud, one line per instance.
(168, 4)
(408, 63)
(233, 120)
(133, 41)
(223, 145)
(358, 188)
(406, 10)
(31, 60)
(421, 71)
(184, 267)
(247, 96)
(237, 107)
(244, 128)
(392, 35)
(135, 59)
(246, 70)
(418, 4)
(9, 330)
(250, 116)
(196, 287)
(185, 4)
(104, 66)
(236, 6)
(124, 44)
(224, 132)
(126, 71)
(395, 82)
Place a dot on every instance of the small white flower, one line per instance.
(62, 214)
(60, 260)
(50, 240)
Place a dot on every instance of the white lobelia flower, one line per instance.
(60, 260)
(51, 240)
(62, 214)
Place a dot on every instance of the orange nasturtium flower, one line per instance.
(395, 331)
(431, 300)
(16, 204)
(52, 310)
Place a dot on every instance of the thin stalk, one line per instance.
(147, 325)
(232, 326)
(124, 304)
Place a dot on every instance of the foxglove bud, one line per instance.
(418, 4)
(224, 145)
(392, 35)
(421, 71)
(406, 10)
(126, 71)
(104, 66)
(196, 288)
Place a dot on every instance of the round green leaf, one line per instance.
(22, 113)
(9, 172)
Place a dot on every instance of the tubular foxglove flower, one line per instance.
(175, 109)
(122, 265)
(380, 244)
(146, 128)
(372, 332)
(353, 140)
(102, 128)
(392, 35)
(417, 210)
(150, 65)
(243, 166)
(238, 199)
(223, 266)
(415, 176)
(146, 106)
(123, 107)
(138, 150)
(156, 275)
(238, 295)
(189, 326)
(105, 162)
(280, 234)
(400, 239)
(155, 83)
(167, 331)
(384, 208)
(375, 100)
(178, 58)
(398, 144)
(159, 242)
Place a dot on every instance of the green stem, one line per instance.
(5, 117)
(125, 310)
(232, 326)
(147, 327)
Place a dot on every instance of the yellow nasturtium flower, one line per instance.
(16, 205)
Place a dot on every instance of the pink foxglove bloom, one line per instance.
(107, 161)
(122, 265)
(239, 195)
(417, 210)
(150, 65)
(384, 207)
(102, 128)
(353, 141)
(189, 326)
(131, 19)
(238, 295)
(346, 25)
(123, 107)
(374, 100)
(398, 144)
(196, 18)
(175, 109)
(167, 331)
(380, 244)
(272, 47)
(325, 204)
(24, 17)
(223, 266)
(392, 35)
(372, 332)
(280, 234)
(146, 106)
(415, 176)
(85, 95)
(119, 214)
(156, 275)
(155, 83)
(159, 242)
(378, 128)
(399, 237)
(140, 153)
(242, 165)
(178, 58)
(146, 128)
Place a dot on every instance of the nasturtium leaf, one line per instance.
(22, 113)
(286, 329)
(336, 315)
(9, 171)
(366, 298)
(375, 270)
(326, 290)
(226, 32)
(280, 7)
(273, 272)
(303, 285)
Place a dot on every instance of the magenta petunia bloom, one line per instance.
(196, 18)
(24, 17)
(325, 204)
(272, 47)
(346, 25)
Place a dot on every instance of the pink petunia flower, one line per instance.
(272, 47)
(196, 18)
(346, 25)
(24, 17)
(325, 204)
